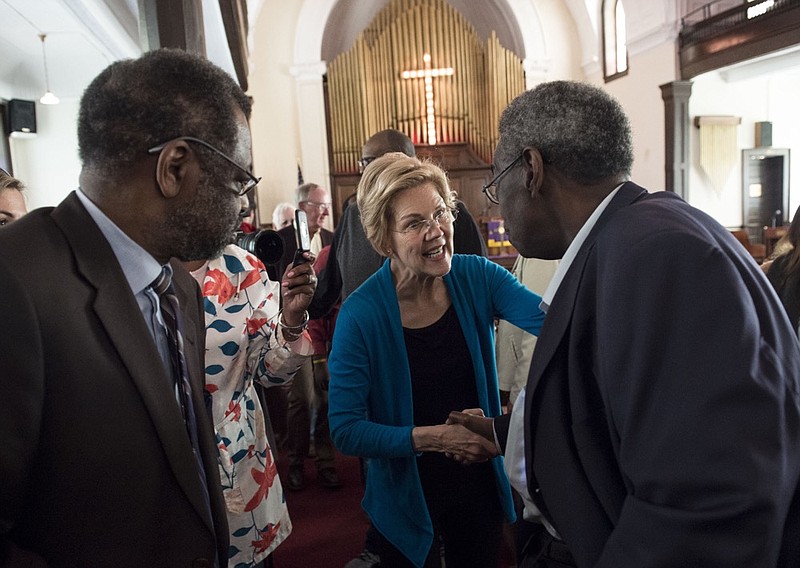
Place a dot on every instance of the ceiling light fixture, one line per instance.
(48, 98)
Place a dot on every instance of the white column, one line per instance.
(311, 122)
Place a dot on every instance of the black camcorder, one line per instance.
(267, 245)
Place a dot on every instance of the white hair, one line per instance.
(280, 214)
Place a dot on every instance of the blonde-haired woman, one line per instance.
(413, 343)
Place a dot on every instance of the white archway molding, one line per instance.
(586, 14)
(537, 63)
(308, 70)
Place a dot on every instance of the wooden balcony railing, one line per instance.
(723, 32)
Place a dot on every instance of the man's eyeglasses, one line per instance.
(490, 189)
(364, 162)
(441, 217)
(244, 186)
(318, 205)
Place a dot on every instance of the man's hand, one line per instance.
(474, 420)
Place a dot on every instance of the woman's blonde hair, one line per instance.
(383, 180)
(7, 181)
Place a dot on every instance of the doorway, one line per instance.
(765, 181)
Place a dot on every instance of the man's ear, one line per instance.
(173, 168)
(534, 170)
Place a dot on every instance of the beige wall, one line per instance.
(639, 94)
(561, 39)
(47, 162)
(276, 140)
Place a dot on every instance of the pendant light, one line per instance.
(48, 98)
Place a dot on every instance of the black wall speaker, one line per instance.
(763, 134)
(22, 115)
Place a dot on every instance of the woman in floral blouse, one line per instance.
(247, 340)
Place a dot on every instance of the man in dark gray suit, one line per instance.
(661, 419)
(106, 460)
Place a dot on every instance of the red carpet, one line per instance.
(328, 526)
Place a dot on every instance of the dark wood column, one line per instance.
(234, 18)
(172, 23)
(676, 129)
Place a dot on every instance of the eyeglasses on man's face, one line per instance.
(490, 189)
(318, 205)
(422, 226)
(243, 185)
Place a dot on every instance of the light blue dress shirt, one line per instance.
(140, 270)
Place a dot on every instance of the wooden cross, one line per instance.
(427, 73)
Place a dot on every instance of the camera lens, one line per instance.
(266, 245)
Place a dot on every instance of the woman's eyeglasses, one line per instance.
(420, 227)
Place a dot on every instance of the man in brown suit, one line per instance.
(98, 462)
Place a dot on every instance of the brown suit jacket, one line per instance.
(96, 465)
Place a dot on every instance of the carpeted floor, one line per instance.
(328, 525)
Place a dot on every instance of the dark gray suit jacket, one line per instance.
(662, 409)
(96, 465)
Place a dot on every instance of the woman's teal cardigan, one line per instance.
(370, 402)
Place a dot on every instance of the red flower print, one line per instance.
(266, 537)
(253, 325)
(264, 479)
(211, 388)
(216, 283)
(255, 262)
(235, 409)
(251, 278)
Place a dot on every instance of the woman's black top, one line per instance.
(443, 379)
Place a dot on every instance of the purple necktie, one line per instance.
(171, 312)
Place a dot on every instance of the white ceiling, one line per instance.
(83, 37)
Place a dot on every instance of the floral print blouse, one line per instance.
(242, 346)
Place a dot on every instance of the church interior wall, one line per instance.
(639, 94)
(274, 124)
(562, 40)
(568, 48)
(48, 161)
(754, 100)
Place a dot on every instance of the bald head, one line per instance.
(385, 141)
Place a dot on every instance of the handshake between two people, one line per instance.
(467, 437)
